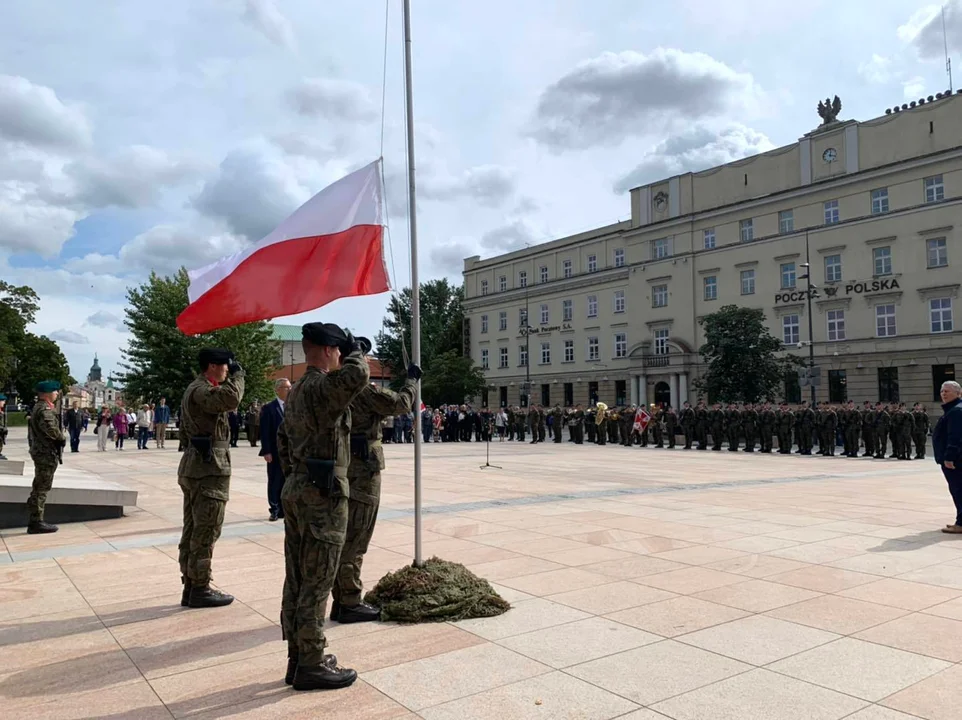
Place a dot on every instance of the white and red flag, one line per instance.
(330, 248)
(642, 418)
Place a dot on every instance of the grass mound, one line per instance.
(438, 591)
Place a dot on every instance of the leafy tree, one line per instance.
(742, 357)
(162, 361)
(40, 358)
(442, 318)
(450, 377)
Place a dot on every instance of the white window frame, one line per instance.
(934, 189)
(592, 306)
(621, 345)
(835, 325)
(484, 324)
(835, 267)
(786, 221)
(566, 268)
(503, 320)
(708, 239)
(523, 355)
(659, 296)
(941, 255)
(567, 310)
(546, 353)
(885, 321)
(882, 261)
(660, 248)
(544, 273)
(484, 287)
(502, 357)
(787, 275)
(502, 283)
(831, 211)
(592, 263)
(544, 314)
(619, 257)
(593, 349)
(940, 315)
(747, 280)
(880, 201)
(746, 230)
(484, 359)
(660, 340)
(710, 281)
(522, 278)
(618, 301)
(791, 329)
(569, 351)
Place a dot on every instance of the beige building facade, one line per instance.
(874, 207)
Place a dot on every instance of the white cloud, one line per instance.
(614, 96)
(68, 336)
(878, 70)
(924, 30)
(913, 88)
(105, 319)
(489, 185)
(265, 17)
(33, 114)
(333, 99)
(448, 257)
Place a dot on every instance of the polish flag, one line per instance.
(331, 247)
(642, 418)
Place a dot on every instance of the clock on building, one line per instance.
(829, 155)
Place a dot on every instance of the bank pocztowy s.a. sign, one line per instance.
(858, 287)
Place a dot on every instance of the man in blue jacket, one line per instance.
(947, 446)
(271, 417)
(161, 420)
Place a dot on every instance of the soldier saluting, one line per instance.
(204, 471)
(46, 440)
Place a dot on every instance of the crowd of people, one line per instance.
(116, 425)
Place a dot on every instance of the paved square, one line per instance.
(646, 584)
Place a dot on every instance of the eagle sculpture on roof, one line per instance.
(828, 110)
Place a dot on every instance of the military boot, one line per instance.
(292, 668)
(335, 609)
(202, 596)
(326, 676)
(39, 527)
(362, 612)
(185, 595)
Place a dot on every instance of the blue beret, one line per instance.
(2, 396)
(46, 386)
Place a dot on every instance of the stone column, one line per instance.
(682, 387)
(673, 389)
(643, 389)
(633, 391)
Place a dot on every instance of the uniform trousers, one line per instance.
(205, 500)
(44, 467)
(361, 519)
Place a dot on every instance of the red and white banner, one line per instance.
(642, 418)
(331, 247)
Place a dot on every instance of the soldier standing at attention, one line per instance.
(883, 422)
(687, 421)
(576, 425)
(766, 425)
(658, 435)
(314, 445)
(716, 420)
(46, 441)
(701, 425)
(671, 425)
(3, 424)
(907, 430)
(368, 408)
(920, 421)
(601, 425)
(868, 430)
(557, 420)
(827, 427)
(807, 424)
(749, 426)
(733, 426)
(786, 421)
(204, 471)
(854, 429)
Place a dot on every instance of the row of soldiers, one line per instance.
(741, 425)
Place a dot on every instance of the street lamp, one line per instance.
(811, 335)
(526, 331)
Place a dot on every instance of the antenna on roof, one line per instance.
(945, 42)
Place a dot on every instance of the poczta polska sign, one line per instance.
(858, 287)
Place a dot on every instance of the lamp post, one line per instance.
(811, 334)
(526, 329)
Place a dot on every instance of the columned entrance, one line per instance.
(662, 394)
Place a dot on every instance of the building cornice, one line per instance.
(559, 285)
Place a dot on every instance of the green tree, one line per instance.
(742, 357)
(162, 361)
(40, 358)
(442, 319)
(451, 377)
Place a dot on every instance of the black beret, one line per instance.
(324, 334)
(214, 356)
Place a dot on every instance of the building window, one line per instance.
(833, 268)
(888, 384)
(660, 248)
(831, 212)
(569, 351)
(790, 327)
(788, 275)
(569, 390)
(748, 282)
(619, 298)
(880, 201)
(544, 314)
(592, 306)
(566, 268)
(593, 348)
(934, 189)
(523, 317)
(661, 341)
(544, 273)
(941, 374)
(882, 257)
(546, 353)
(885, 321)
(709, 237)
(836, 325)
(567, 310)
(502, 283)
(837, 386)
(711, 287)
(746, 230)
(503, 320)
(937, 252)
(621, 393)
(484, 358)
(786, 221)
(940, 314)
(659, 296)
(484, 323)
(522, 278)
(619, 257)
(484, 287)
(523, 355)
(545, 394)
(621, 345)
(503, 357)
(793, 389)
(592, 392)
(592, 263)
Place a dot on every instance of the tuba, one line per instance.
(602, 409)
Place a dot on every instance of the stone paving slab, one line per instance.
(646, 584)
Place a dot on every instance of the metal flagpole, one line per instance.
(415, 286)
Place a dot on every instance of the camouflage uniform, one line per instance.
(317, 425)
(868, 430)
(716, 420)
(601, 425)
(806, 425)
(766, 426)
(733, 427)
(853, 430)
(920, 432)
(701, 427)
(205, 482)
(883, 422)
(671, 426)
(827, 428)
(687, 421)
(749, 427)
(786, 421)
(46, 441)
(557, 420)
(371, 405)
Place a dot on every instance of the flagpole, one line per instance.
(415, 285)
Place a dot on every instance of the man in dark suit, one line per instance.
(947, 445)
(271, 417)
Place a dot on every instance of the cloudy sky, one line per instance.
(145, 136)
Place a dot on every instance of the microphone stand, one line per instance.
(487, 451)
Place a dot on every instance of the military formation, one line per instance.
(835, 428)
